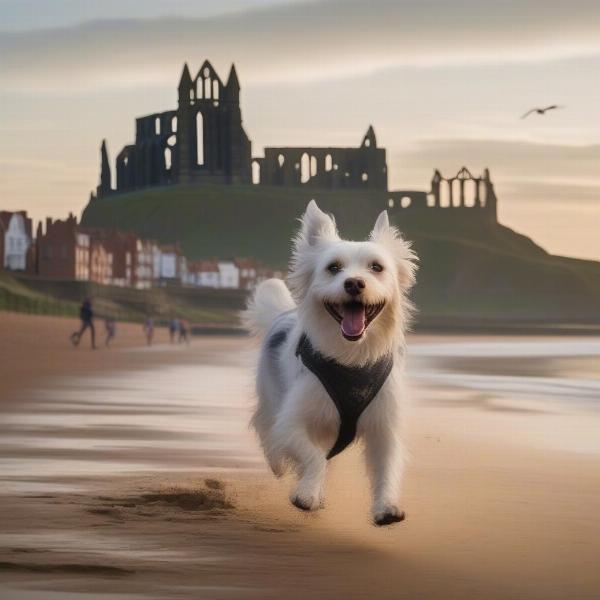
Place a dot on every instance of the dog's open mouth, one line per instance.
(354, 317)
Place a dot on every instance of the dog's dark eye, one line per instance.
(334, 267)
(376, 267)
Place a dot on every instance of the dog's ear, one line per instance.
(317, 226)
(389, 237)
(382, 225)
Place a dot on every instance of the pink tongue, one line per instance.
(353, 322)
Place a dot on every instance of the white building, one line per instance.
(15, 237)
(144, 268)
(209, 274)
(166, 262)
(229, 275)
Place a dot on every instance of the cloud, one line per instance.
(301, 41)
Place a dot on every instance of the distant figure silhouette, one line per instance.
(86, 314)
(173, 329)
(184, 331)
(111, 330)
(540, 111)
(149, 330)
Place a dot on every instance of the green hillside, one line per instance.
(204, 307)
(469, 268)
(18, 297)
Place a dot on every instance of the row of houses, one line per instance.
(63, 249)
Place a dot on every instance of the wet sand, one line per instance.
(130, 473)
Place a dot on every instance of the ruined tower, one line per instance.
(203, 141)
(362, 167)
(105, 186)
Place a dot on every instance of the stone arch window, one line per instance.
(191, 95)
(390, 203)
(313, 166)
(304, 168)
(255, 172)
(199, 139)
(456, 192)
(215, 89)
(281, 160)
(328, 163)
(364, 176)
(470, 192)
(168, 159)
(207, 90)
(172, 140)
(444, 193)
(367, 143)
(174, 124)
(157, 126)
(405, 201)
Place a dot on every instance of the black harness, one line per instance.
(352, 389)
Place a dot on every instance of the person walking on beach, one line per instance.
(149, 330)
(173, 329)
(111, 329)
(184, 331)
(86, 314)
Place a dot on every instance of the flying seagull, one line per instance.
(540, 111)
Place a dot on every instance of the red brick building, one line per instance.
(132, 261)
(63, 250)
(248, 268)
(101, 263)
(123, 247)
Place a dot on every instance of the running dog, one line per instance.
(331, 361)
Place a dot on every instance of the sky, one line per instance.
(443, 82)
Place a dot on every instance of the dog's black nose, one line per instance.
(354, 285)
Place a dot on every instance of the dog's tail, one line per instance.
(271, 298)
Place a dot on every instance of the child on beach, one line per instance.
(111, 329)
(173, 329)
(149, 330)
(184, 330)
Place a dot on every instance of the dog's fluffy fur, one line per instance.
(295, 419)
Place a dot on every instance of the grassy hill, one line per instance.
(15, 296)
(200, 306)
(469, 268)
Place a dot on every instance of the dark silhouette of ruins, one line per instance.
(203, 141)
(463, 191)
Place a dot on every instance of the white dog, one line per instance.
(331, 361)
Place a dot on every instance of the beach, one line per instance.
(131, 472)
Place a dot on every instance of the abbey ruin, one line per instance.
(204, 141)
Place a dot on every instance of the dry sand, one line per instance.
(489, 514)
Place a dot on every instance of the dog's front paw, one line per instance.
(305, 502)
(388, 515)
